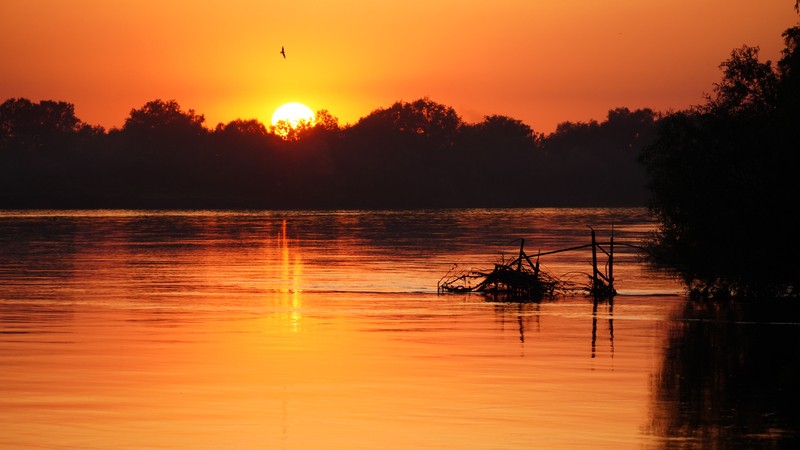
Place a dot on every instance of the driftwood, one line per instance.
(518, 279)
(523, 279)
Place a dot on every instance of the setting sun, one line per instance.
(293, 113)
(550, 61)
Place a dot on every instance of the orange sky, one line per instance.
(540, 61)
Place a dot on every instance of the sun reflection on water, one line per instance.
(291, 272)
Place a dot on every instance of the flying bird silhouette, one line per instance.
(283, 52)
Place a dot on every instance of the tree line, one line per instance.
(417, 154)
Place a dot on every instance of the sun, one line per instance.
(293, 113)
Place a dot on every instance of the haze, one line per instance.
(542, 62)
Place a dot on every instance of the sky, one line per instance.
(539, 61)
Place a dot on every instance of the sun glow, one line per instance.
(293, 113)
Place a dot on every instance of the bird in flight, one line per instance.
(283, 52)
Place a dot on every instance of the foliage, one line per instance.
(421, 122)
(722, 178)
(163, 124)
(409, 155)
(748, 86)
(47, 125)
(611, 169)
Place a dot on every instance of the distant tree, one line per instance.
(502, 133)
(241, 127)
(244, 139)
(394, 156)
(722, 176)
(324, 124)
(595, 163)
(47, 125)
(492, 163)
(324, 120)
(165, 155)
(310, 164)
(240, 158)
(289, 131)
(410, 154)
(47, 154)
(422, 121)
(163, 124)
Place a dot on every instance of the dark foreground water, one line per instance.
(324, 330)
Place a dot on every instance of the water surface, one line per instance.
(301, 330)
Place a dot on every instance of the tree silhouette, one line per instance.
(242, 128)
(421, 122)
(47, 125)
(503, 133)
(408, 155)
(748, 86)
(721, 176)
(159, 122)
(597, 162)
(324, 120)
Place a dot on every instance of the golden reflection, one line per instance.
(291, 272)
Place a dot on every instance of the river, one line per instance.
(325, 330)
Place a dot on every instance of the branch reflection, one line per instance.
(610, 313)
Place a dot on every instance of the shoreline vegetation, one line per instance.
(417, 154)
(723, 181)
(720, 177)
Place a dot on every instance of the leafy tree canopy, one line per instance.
(423, 119)
(722, 178)
(411, 154)
(37, 126)
(160, 117)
